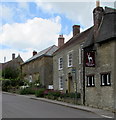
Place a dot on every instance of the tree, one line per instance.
(10, 73)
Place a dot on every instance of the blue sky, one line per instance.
(28, 26)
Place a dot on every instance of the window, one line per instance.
(60, 83)
(60, 63)
(30, 78)
(79, 55)
(79, 76)
(90, 81)
(105, 79)
(70, 58)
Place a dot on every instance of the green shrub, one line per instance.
(53, 94)
(10, 73)
(6, 85)
(40, 92)
(26, 91)
(70, 95)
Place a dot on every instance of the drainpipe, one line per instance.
(83, 77)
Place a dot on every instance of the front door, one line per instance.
(70, 83)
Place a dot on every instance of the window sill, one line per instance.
(91, 86)
(105, 85)
(60, 69)
(70, 66)
(61, 89)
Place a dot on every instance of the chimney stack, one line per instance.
(13, 56)
(97, 3)
(60, 41)
(34, 52)
(76, 30)
(98, 14)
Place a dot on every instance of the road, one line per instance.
(14, 106)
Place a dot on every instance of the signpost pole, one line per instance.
(75, 84)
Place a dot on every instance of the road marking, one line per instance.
(106, 116)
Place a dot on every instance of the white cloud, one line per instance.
(35, 34)
(79, 12)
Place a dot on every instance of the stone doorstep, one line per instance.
(80, 107)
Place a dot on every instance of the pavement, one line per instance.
(101, 112)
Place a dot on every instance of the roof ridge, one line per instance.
(49, 48)
(70, 40)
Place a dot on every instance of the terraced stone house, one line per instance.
(14, 63)
(40, 67)
(100, 60)
(87, 62)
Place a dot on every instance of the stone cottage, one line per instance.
(100, 60)
(87, 62)
(14, 63)
(68, 63)
(40, 67)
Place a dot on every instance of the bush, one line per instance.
(26, 91)
(53, 94)
(10, 73)
(70, 95)
(40, 92)
(6, 85)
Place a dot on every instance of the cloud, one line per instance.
(36, 33)
(72, 11)
(79, 12)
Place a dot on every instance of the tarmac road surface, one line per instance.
(14, 106)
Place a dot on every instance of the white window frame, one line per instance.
(108, 83)
(88, 81)
(79, 76)
(60, 63)
(30, 78)
(80, 55)
(61, 83)
(70, 53)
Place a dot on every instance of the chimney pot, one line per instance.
(76, 29)
(60, 41)
(34, 52)
(13, 56)
(97, 3)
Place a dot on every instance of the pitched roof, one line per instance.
(46, 52)
(90, 39)
(108, 26)
(107, 29)
(16, 61)
(81, 36)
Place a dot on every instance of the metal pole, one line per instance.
(4, 67)
(83, 77)
(76, 88)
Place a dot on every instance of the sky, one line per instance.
(27, 25)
